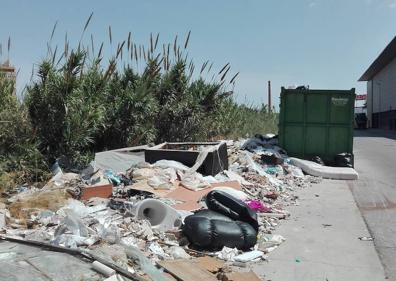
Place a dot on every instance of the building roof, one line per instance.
(6, 67)
(387, 55)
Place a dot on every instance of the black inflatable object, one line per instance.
(318, 160)
(344, 160)
(223, 203)
(214, 231)
(209, 214)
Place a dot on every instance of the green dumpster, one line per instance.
(316, 122)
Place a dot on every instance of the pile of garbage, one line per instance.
(137, 223)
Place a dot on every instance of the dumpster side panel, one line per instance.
(315, 142)
(294, 139)
(292, 106)
(316, 105)
(338, 140)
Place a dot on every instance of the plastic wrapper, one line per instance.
(74, 224)
(74, 241)
(249, 256)
(109, 233)
(170, 164)
(194, 181)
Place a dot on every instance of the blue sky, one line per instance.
(321, 43)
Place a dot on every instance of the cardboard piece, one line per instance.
(191, 198)
(183, 194)
(144, 186)
(188, 206)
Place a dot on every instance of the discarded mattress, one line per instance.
(315, 169)
(210, 230)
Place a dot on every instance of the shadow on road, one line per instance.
(375, 133)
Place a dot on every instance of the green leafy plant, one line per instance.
(20, 160)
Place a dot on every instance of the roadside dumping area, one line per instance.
(176, 211)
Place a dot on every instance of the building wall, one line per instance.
(381, 99)
(384, 89)
(369, 103)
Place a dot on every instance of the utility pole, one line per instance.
(269, 97)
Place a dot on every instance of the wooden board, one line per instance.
(241, 276)
(187, 271)
(210, 264)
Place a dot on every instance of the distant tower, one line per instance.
(8, 72)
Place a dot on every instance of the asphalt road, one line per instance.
(375, 191)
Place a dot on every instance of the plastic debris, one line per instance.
(114, 179)
(258, 206)
(103, 269)
(178, 253)
(366, 238)
(276, 238)
(156, 249)
(249, 256)
(227, 254)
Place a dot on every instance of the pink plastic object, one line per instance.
(258, 206)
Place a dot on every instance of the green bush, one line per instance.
(20, 160)
(131, 109)
(66, 109)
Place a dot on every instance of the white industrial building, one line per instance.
(381, 89)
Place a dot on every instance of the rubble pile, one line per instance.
(134, 224)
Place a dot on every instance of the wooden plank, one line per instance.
(187, 271)
(241, 276)
(210, 264)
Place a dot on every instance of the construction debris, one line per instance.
(164, 215)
